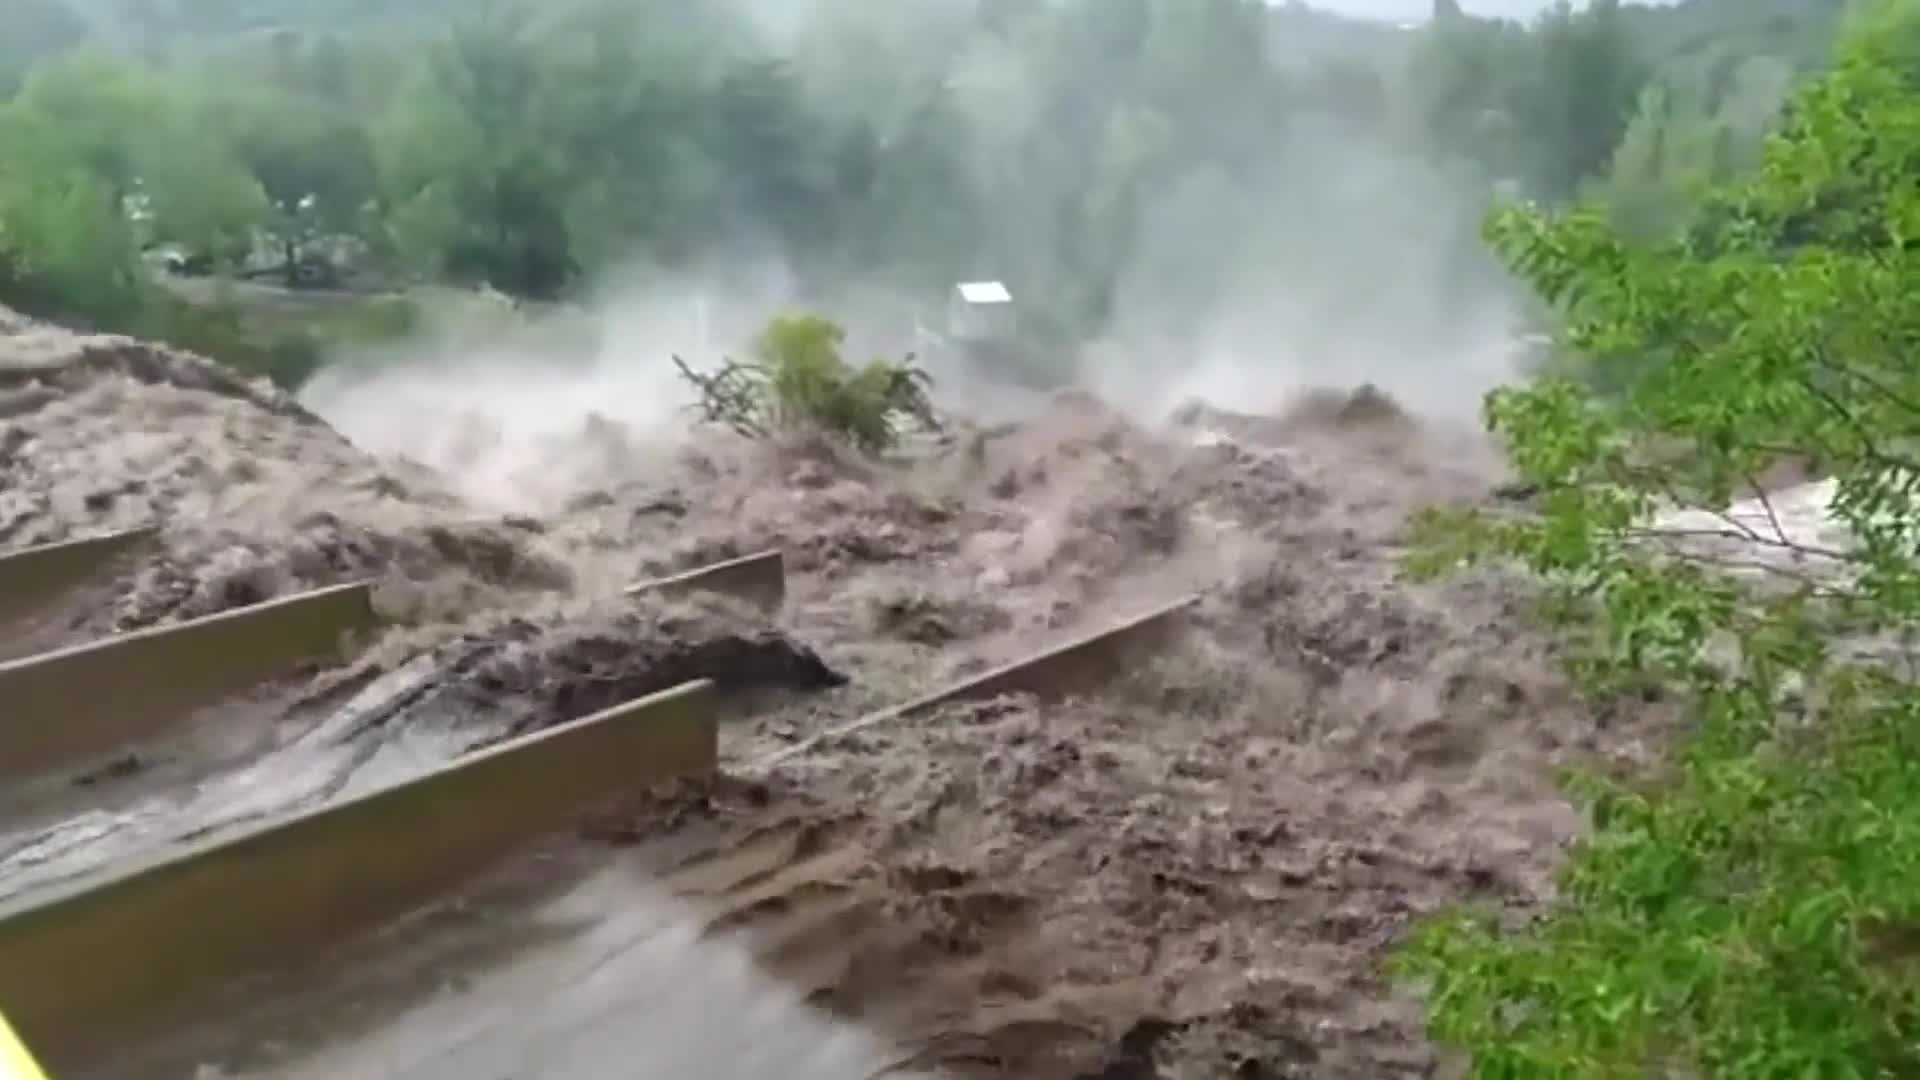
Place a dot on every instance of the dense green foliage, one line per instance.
(1094, 154)
(1754, 914)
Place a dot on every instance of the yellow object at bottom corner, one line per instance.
(15, 1062)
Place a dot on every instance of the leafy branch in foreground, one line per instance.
(1756, 913)
(797, 380)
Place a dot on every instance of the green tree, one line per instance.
(476, 193)
(918, 213)
(313, 163)
(64, 251)
(1701, 123)
(129, 127)
(104, 110)
(1577, 101)
(775, 168)
(1458, 91)
(202, 197)
(620, 103)
(1543, 105)
(1750, 913)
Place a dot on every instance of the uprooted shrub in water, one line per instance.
(797, 380)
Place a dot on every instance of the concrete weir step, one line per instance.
(65, 709)
(760, 579)
(33, 579)
(282, 891)
(112, 958)
(1074, 666)
(100, 961)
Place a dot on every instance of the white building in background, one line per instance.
(975, 311)
(981, 310)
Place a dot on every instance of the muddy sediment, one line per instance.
(1196, 872)
(1201, 871)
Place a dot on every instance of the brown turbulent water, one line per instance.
(1197, 872)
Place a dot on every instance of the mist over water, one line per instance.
(491, 405)
(1325, 256)
(1346, 272)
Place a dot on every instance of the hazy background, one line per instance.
(457, 225)
(1420, 9)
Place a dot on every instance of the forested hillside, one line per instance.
(1098, 155)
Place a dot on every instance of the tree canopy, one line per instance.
(1746, 914)
(535, 147)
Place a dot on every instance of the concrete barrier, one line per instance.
(1080, 664)
(33, 578)
(759, 579)
(113, 959)
(63, 709)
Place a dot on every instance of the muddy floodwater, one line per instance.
(610, 976)
(1198, 870)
